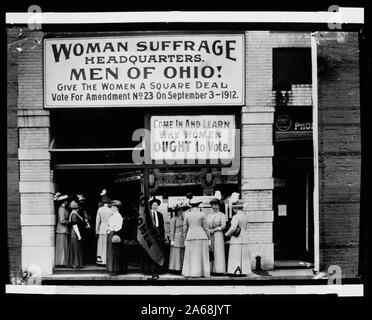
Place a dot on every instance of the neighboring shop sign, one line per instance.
(152, 70)
(293, 119)
(128, 176)
(192, 137)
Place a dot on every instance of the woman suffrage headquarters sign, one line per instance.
(144, 71)
(193, 137)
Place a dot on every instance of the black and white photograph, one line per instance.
(170, 153)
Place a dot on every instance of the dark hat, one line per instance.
(239, 205)
(189, 195)
(104, 197)
(215, 201)
(181, 206)
(154, 200)
(73, 205)
(115, 203)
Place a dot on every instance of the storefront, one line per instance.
(195, 112)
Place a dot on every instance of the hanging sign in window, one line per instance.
(192, 137)
(161, 70)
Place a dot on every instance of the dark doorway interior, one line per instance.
(293, 215)
(90, 183)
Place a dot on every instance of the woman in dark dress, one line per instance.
(76, 248)
(87, 232)
(115, 262)
(149, 267)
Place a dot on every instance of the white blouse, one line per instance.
(115, 222)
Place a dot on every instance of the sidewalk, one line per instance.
(280, 274)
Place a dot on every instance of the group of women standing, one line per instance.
(197, 238)
(72, 224)
(72, 221)
(198, 241)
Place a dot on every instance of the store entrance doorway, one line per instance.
(293, 229)
(123, 185)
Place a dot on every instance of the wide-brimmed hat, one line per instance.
(115, 203)
(181, 206)
(215, 201)
(205, 204)
(154, 200)
(59, 196)
(73, 205)
(194, 203)
(239, 205)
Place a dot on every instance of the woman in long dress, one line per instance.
(239, 256)
(150, 267)
(196, 260)
(103, 214)
(76, 247)
(62, 231)
(115, 250)
(177, 239)
(216, 223)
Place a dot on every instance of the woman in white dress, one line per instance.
(239, 256)
(115, 250)
(103, 214)
(216, 223)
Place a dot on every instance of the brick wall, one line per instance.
(30, 205)
(257, 134)
(257, 146)
(339, 152)
(35, 179)
(13, 204)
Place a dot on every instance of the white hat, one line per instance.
(194, 203)
(59, 196)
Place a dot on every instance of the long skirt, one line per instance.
(76, 251)
(218, 265)
(196, 260)
(239, 257)
(115, 256)
(62, 249)
(102, 249)
(89, 245)
(148, 266)
(176, 258)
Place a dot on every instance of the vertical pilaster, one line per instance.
(257, 147)
(36, 185)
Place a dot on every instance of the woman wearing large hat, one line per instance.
(239, 253)
(177, 250)
(148, 265)
(196, 260)
(103, 214)
(88, 233)
(62, 230)
(76, 247)
(115, 240)
(216, 223)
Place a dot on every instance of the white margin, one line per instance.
(344, 15)
(346, 290)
